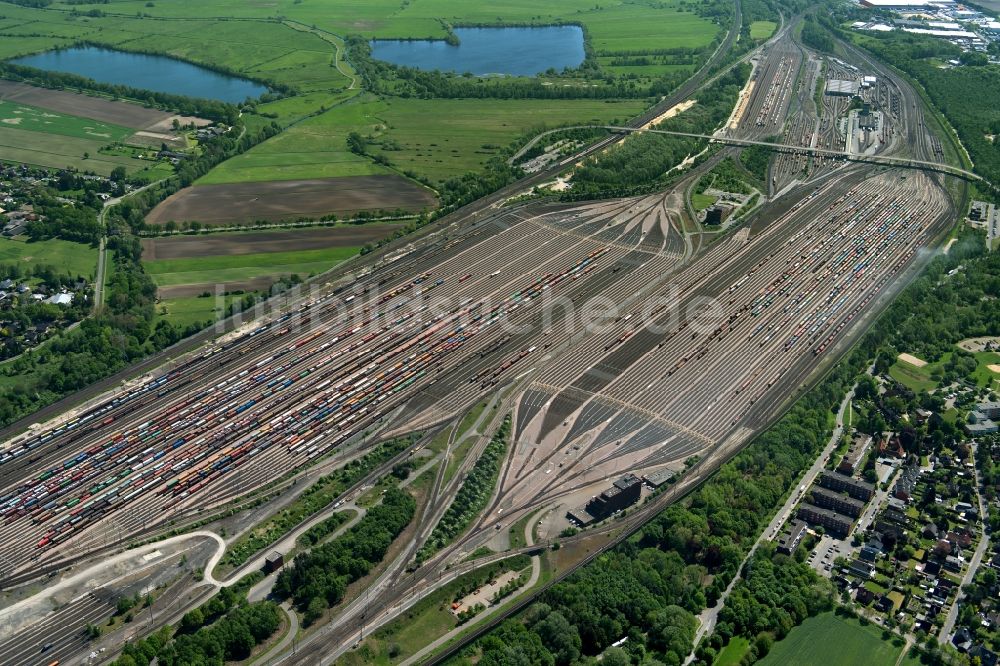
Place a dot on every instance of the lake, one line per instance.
(482, 51)
(148, 72)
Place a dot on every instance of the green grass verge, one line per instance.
(229, 268)
(428, 619)
(33, 119)
(810, 643)
(762, 29)
(733, 652)
(702, 201)
(916, 379)
(471, 417)
(458, 452)
(193, 309)
(74, 258)
(476, 129)
(290, 109)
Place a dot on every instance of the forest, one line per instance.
(319, 578)
(725, 176)
(642, 162)
(225, 628)
(774, 594)
(815, 36)
(937, 310)
(231, 638)
(756, 159)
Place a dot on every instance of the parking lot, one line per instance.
(826, 551)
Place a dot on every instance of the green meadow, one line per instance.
(237, 267)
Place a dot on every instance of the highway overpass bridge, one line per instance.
(885, 160)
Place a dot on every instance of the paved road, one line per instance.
(536, 571)
(977, 558)
(102, 262)
(89, 573)
(720, 137)
(710, 616)
(261, 590)
(284, 546)
(102, 255)
(290, 635)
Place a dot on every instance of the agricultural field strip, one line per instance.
(29, 118)
(261, 242)
(220, 204)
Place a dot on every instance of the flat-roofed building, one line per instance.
(829, 499)
(623, 493)
(857, 489)
(273, 562)
(832, 521)
(658, 478)
(789, 542)
(861, 443)
(842, 88)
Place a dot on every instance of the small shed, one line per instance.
(273, 562)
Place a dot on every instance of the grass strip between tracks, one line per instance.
(313, 500)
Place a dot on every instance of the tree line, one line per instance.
(225, 628)
(189, 106)
(671, 560)
(642, 161)
(471, 498)
(317, 579)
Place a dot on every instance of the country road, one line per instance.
(710, 616)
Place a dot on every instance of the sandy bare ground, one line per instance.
(484, 595)
(994, 367)
(154, 139)
(979, 344)
(912, 360)
(290, 199)
(741, 105)
(671, 112)
(167, 124)
(260, 242)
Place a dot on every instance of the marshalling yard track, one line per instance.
(614, 337)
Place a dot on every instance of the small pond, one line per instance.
(148, 72)
(485, 51)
